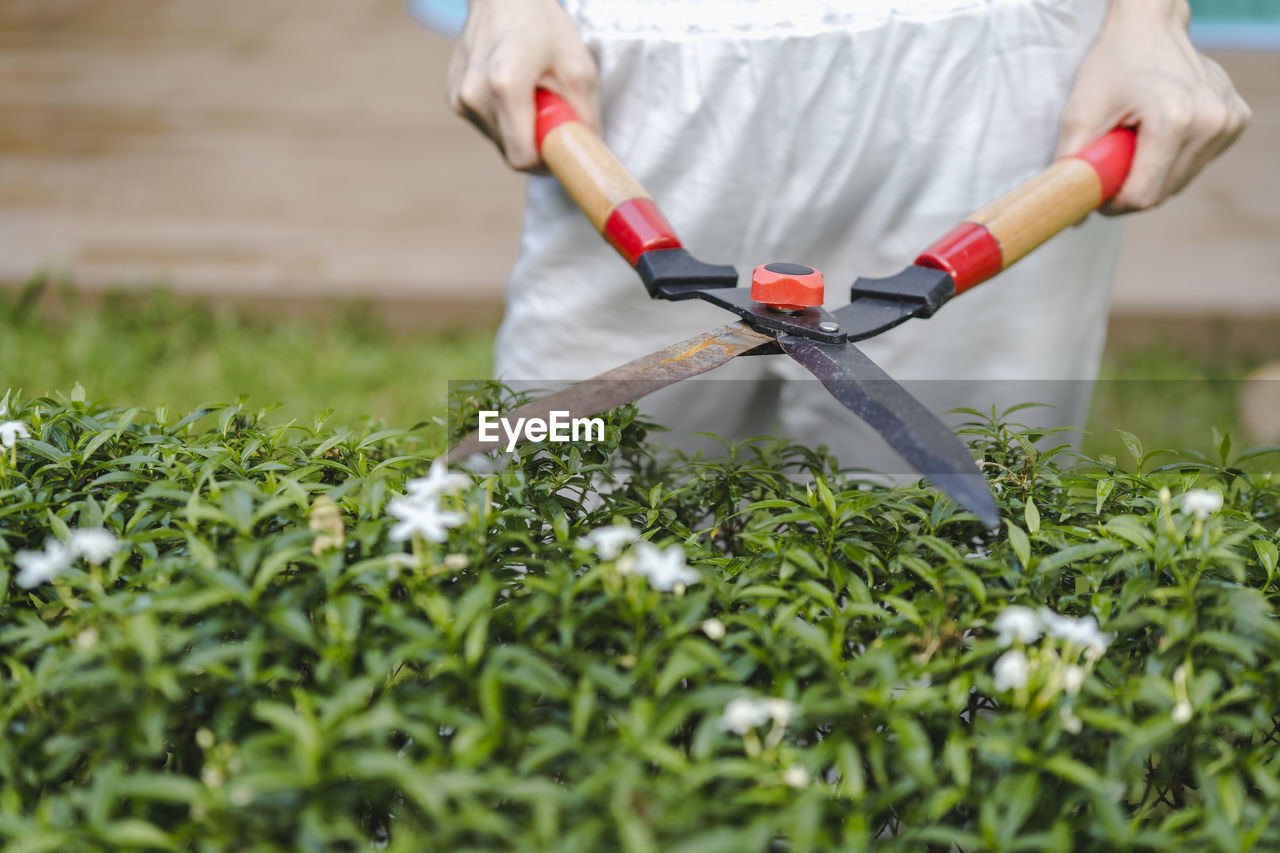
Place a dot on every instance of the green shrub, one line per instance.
(788, 659)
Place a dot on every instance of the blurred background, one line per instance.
(204, 200)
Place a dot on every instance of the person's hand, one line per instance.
(1143, 72)
(506, 50)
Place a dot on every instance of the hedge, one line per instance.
(219, 632)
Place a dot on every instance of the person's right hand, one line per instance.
(507, 49)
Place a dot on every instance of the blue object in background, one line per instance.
(1229, 34)
(444, 16)
(1235, 24)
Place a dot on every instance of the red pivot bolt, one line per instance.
(786, 287)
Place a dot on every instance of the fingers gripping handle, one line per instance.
(1005, 231)
(615, 202)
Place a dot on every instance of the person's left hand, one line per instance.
(1143, 72)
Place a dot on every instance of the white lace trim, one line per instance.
(765, 17)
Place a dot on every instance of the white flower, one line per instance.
(1070, 722)
(796, 776)
(1010, 671)
(37, 567)
(424, 517)
(439, 481)
(483, 465)
(1182, 709)
(1094, 641)
(1019, 624)
(664, 567)
(781, 710)
(11, 431)
(1073, 678)
(1201, 503)
(455, 562)
(713, 628)
(95, 545)
(1090, 638)
(419, 508)
(744, 713)
(609, 541)
(1055, 624)
(1081, 632)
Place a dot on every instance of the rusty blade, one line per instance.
(632, 380)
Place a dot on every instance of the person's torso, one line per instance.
(846, 136)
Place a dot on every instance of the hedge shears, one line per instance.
(781, 310)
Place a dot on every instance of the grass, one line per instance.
(152, 349)
(1172, 396)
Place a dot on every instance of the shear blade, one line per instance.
(633, 380)
(914, 432)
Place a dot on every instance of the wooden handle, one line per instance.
(615, 202)
(1006, 230)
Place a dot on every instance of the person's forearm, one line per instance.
(1176, 12)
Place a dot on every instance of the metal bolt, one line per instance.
(829, 326)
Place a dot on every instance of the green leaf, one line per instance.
(380, 435)
(1020, 543)
(680, 666)
(1076, 553)
(44, 449)
(1267, 554)
(1222, 443)
(1134, 446)
(1136, 531)
(1255, 452)
(162, 787)
(906, 608)
(1032, 516)
(1102, 492)
(827, 499)
(1076, 773)
(133, 832)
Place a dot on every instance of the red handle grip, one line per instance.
(1005, 231)
(615, 202)
(553, 111)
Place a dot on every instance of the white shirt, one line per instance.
(845, 136)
